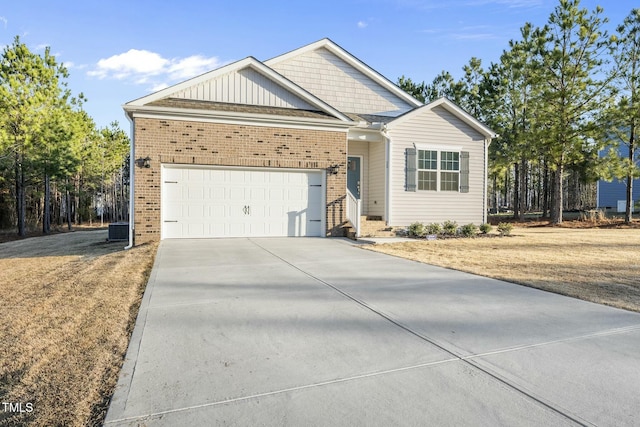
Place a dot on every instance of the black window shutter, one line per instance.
(464, 172)
(411, 169)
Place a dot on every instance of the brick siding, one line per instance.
(187, 142)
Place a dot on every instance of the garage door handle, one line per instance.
(170, 220)
(247, 210)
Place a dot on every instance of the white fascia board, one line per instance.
(369, 135)
(354, 62)
(226, 117)
(249, 62)
(453, 109)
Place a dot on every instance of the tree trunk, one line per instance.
(68, 206)
(522, 200)
(77, 199)
(496, 196)
(628, 215)
(557, 196)
(507, 175)
(21, 203)
(46, 218)
(516, 191)
(545, 192)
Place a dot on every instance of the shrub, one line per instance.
(450, 227)
(469, 230)
(485, 228)
(504, 228)
(434, 228)
(417, 229)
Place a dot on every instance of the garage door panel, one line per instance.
(240, 203)
(195, 193)
(258, 194)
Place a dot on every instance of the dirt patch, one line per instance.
(69, 303)
(601, 265)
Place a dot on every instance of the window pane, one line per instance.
(427, 159)
(427, 181)
(449, 181)
(450, 161)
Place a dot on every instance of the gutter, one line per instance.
(233, 117)
(131, 187)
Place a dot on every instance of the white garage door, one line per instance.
(201, 203)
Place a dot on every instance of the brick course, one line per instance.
(187, 142)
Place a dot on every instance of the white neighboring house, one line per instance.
(305, 144)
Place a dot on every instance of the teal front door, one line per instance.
(353, 176)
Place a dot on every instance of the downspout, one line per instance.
(131, 186)
(387, 177)
(487, 141)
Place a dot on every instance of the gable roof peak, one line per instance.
(353, 61)
(247, 63)
(451, 107)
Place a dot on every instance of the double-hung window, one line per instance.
(438, 170)
(449, 171)
(427, 170)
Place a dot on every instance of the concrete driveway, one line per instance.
(297, 331)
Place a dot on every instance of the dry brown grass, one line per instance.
(69, 302)
(598, 265)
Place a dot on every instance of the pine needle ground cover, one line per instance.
(68, 306)
(601, 265)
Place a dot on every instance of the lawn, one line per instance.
(601, 265)
(69, 303)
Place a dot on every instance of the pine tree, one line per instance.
(572, 63)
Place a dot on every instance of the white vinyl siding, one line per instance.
(330, 78)
(377, 179)
(245, 86)
(437, 127)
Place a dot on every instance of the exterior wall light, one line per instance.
(333, 169)
(144, 163)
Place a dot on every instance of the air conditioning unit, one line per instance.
(118, 231)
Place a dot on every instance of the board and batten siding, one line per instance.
(440, 128)
(246, 86)
(331, 79)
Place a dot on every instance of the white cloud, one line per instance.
(145, 67)
(192, 66)
(362, 24)
(131, 63)
(4, 21)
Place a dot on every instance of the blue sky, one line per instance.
(117, 51)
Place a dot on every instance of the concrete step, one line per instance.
(375, 226)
